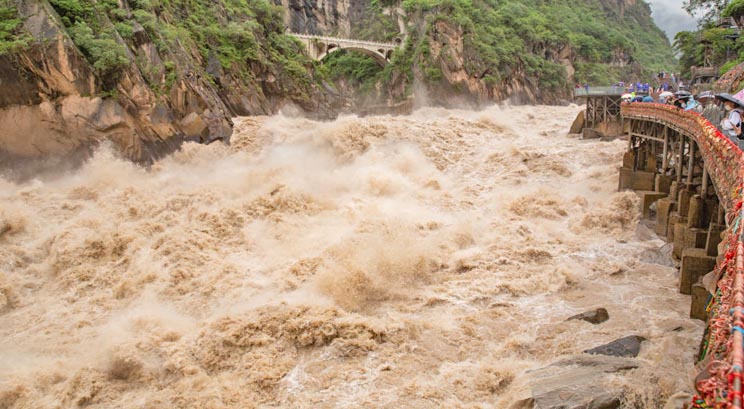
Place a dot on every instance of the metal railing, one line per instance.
(589, 91)
(719, 380)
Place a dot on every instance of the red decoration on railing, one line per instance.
(719, 383)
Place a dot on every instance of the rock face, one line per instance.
(340, 18)
(316, 17)
(450, 59)
(49, 107)
(581, 382)
(57, 104)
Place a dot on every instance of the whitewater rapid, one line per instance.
(416, 261)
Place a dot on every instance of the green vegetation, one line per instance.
(708, 9)
(503, 39)
(93, 36)
(375, 25)
(12, 37)
(360, 71)
(235, 32)
(230, 35)
(495, 41)
(711, 45)
(602, 39)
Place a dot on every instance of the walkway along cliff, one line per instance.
(694, 174)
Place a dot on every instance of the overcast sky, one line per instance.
(671, 17)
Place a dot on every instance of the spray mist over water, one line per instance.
(413, 261)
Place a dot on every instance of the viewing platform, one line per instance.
(599, 91)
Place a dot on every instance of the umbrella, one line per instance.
(665, 94)
(705, 95)
(728, 97)
(682, 94)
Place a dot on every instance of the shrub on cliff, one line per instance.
(12, 37)
(103, 52)
(548, 44)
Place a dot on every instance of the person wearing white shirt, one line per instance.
(731, 123)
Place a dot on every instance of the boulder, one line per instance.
(623, 347)
(597, 316)
(589, 133)
(578, 124)
(193, 125)
(580, 382)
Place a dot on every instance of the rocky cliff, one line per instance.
(129, 72)
(149, 74)
(463, 52)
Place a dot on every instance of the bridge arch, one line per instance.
(676, 156)
(318, 47)
(380, 57)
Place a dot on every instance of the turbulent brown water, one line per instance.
(400, 262)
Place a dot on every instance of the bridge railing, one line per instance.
(719, 382)
(345, 40)
(590, 91)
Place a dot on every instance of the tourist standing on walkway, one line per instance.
(732, 124)
(711, 110)
(693, 105)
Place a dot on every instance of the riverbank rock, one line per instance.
(580, 382)
(597, 316)
(623, 347)
(589, 133)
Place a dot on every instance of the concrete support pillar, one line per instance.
(695, 264)
(713, 239)
(699, 302)
(683, 200)
(635, 180)
(695, 213)
(664, 209)
(710, 210)
(648, 198)
(651, 164)
(663, 183)
(674, 190)
(629, 160)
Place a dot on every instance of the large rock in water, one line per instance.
(626, 347)
(578, 124)
(581, 382)
(597, 316)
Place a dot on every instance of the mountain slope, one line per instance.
(149, 74)
(143, 74)
(532, 50)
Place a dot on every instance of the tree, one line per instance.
(710, 9)
(734, 9)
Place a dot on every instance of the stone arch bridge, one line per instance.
(318, 47)
(694, 174)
